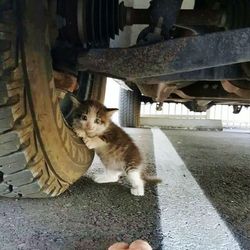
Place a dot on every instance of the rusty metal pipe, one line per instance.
(170, 57)
(216, 18)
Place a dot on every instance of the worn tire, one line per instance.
(98, 89)
(129, 108)
(36, 160)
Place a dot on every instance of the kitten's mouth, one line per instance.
(90, 130)
(91, 133)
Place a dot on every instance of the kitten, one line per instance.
(117, 151)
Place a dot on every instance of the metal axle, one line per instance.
(170, 57)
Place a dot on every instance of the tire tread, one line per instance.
(22, 167)
(129, 106)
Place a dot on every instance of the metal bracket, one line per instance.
(237, 109)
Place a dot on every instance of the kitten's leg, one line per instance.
(108, 176)
(134, 176)
(94, 142)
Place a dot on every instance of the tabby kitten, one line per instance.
(117, 151)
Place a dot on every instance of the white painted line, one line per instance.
(188, 219)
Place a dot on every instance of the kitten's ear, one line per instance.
(110, 112)
(74, 101)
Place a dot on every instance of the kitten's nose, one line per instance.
(89, 126)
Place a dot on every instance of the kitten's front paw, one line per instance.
(91, 143)
(137, 191)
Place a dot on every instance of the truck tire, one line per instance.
(129, 108)
(39, 154)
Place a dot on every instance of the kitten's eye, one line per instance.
(98, 121)
(84, 117)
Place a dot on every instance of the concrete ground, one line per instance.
(219, 162)
(203, 202)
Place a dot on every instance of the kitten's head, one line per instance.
(91, 116)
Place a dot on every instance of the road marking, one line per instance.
(188, 219)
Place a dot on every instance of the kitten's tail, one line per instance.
(151, 179)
